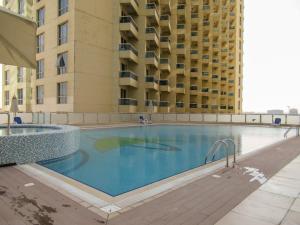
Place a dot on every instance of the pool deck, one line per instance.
(204, 201)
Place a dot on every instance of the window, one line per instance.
(40, 39)
(20, 96)
(62, 7)
(40, 16)
(6, 77)
(21, 7)
(123, 93)
(40, 69)
(62, 63)
(40, 94)
(62, 33)
(6, 98)
(20, 74)
(62, 93)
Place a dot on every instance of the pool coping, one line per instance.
(102, 203)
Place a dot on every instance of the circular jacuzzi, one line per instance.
(33, 143)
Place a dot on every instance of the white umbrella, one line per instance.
(14, 105)
(17, 40)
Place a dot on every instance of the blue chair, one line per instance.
(277, 122)
(18, 120)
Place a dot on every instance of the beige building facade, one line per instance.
(125, 56)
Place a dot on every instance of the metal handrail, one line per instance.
(288, 131)
(8, 121)
(216, 147)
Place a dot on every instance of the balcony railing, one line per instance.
(193, 105)
(180, 45)
(151, 79)
(128, 47)
(128, 19)
(151, 30)
(180, 85)
(148, 102)
(164, 17)
(151, 54)
(180, 26)
(164, 104)
(128, 74)
(164, 39)
(180, 104)
(164, 82)
(194, 88)
(180, 66)
(164, 61)
(128, 101)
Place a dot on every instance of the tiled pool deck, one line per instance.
(204, 201)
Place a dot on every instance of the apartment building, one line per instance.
(125, 56)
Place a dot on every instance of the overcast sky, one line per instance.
(272, 55)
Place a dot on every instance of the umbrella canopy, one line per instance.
(14, 105)
(17, 40)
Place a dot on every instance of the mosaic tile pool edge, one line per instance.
(34, 147)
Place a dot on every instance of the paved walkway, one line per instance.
(275, 202)
(204, 201)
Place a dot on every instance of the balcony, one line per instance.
(194, 72)
(128, 52)
(193, 105)
(165, 23)
(152, 13)
(194, 90)
(194, 54)
(165, 43)
(181, 9)
(215, 91)
(181, 28)
(205, 58)
(180, 88)
(128, 27)
(127, 105)
(152, 35)
(205, 91)
(179, 104)
(151, 83)
(151, 105)
(195, 17)
(194, 35)
(151, 58)
(164, 106)
(180, 68)
(164, 86)
(180, 49)
(128, 78)
(132, 6)
(165, 65)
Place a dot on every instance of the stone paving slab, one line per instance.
(276, 202)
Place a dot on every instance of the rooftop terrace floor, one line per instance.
(204, 201)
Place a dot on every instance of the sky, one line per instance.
(271, 55)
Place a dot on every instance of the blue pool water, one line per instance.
(119, 160)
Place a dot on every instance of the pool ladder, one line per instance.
(217, 146)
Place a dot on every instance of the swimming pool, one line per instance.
(118, 160)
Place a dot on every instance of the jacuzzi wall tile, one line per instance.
(30, 148)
